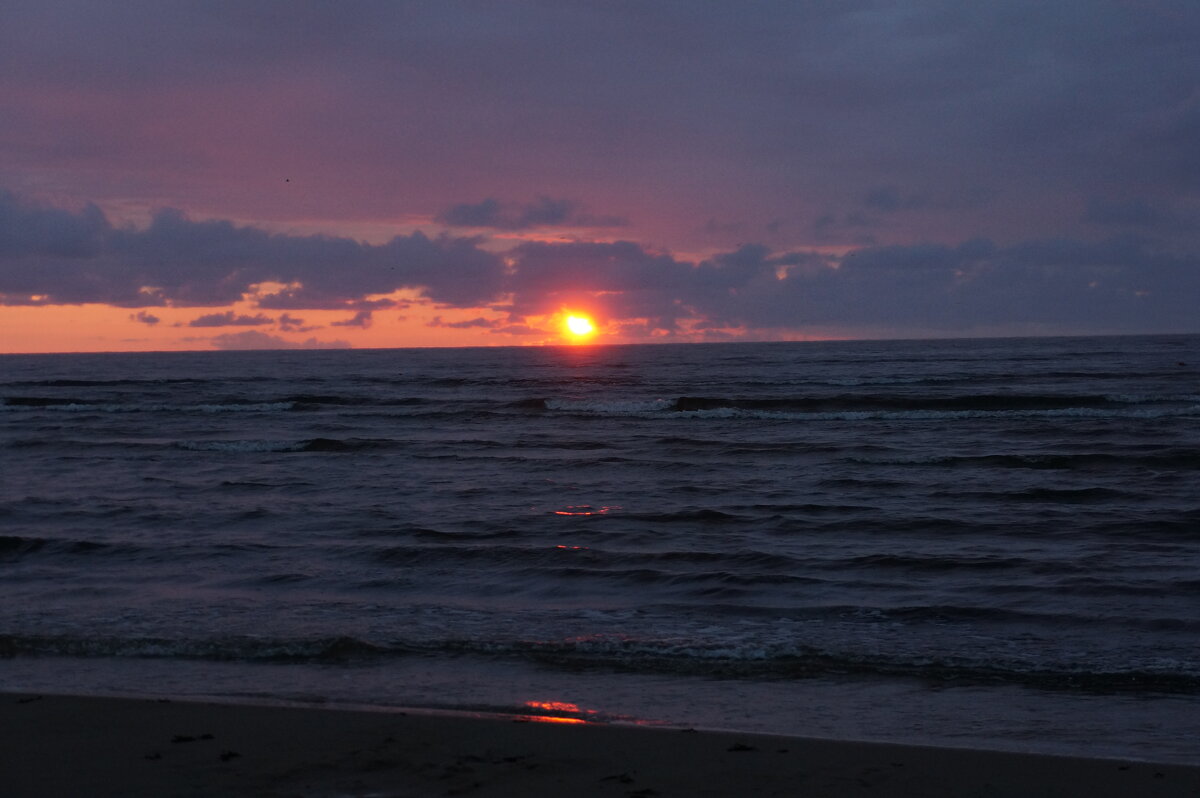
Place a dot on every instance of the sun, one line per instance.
(580, 326)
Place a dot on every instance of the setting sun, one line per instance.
(580, 325)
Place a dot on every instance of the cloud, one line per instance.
(1120, 284)
(1065, 284)
(623, 280)
(480, 214)
(542, 212)
(144, 318)
(73, 258)
(289, 323)
(519, 329)
(479, 321)
(253, 339)
(176, 261)
(31, 230)
(433, 104)
(230, 319)
(362, 319)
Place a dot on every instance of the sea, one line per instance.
(989, 543)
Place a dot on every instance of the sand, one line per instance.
(76, 746)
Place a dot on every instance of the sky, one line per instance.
(248, 175)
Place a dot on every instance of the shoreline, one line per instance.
(99, 746)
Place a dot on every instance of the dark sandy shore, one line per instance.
(72, 746)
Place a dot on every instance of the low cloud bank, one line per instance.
(253, 339)
(1127, 283)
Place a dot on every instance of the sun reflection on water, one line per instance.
(586, 509)
(562, 712)
(568, 712)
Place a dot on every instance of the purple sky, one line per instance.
(682, 169)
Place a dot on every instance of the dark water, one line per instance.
(987, 542)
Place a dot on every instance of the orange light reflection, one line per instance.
(585, 509)
(566, 712)
(557, 707)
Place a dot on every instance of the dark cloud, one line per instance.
(479, 214)
(289, 323)
(177, 261)
(519, 329)
(362, 320)
(27, 229)
(230, 319)
(1048, 285)
(808, 107)
(617, 280)
(478, 321)
(144, 318)
(253, 339)
(1065, 284)
(545, 212)
(542, 212)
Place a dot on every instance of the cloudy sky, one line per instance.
(190, 175)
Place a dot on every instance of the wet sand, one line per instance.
(61, 745)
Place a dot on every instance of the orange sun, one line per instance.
(580, 326)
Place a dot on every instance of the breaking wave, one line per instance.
(609, 652)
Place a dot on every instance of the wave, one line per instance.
(66, 383)
(306, 401)
(1055, 495)
(308, 445)
(845, 407)
(629, 654)
(1168, 459)
(555, 557)
(858, 402)
(939, 564)
(608, 406)
(13, 547)
(245, 649)
(690, 515)
(874, 407)
(970, 406)
(139, 404)
(58, 404)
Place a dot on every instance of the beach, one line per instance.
(98, 746)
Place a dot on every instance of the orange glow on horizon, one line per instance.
(411, 321)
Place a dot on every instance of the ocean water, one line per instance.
(972, 542)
